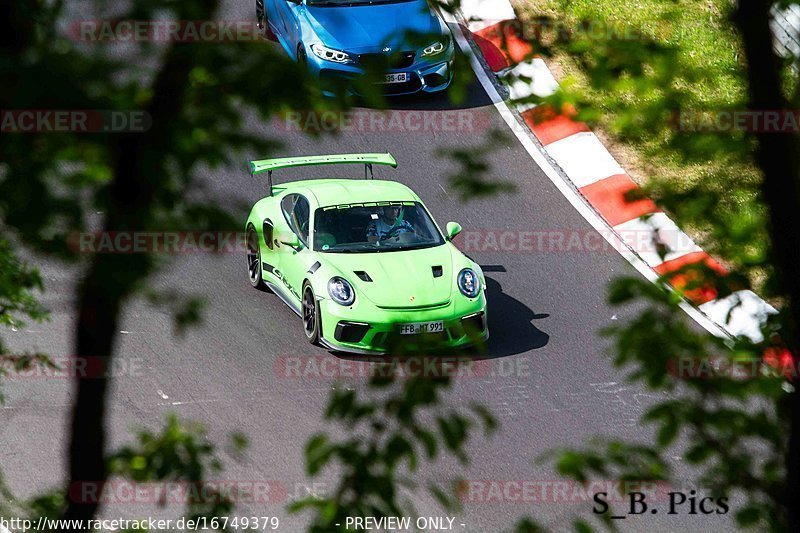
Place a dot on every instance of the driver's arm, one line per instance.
(407, 226)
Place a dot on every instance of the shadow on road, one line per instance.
(511, 324)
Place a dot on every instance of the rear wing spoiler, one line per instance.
(269, 165)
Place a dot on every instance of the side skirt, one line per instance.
(294, 306)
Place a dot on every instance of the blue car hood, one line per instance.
(368, 28)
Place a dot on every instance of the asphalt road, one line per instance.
(550, 384)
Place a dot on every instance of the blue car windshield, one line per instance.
(348, 3)
(370, 228)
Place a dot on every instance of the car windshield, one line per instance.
(374, 227)
(347, 3)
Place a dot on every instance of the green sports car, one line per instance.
(362, 262)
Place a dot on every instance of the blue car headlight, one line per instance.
(341, 291)
(469, 283)
(330, 54)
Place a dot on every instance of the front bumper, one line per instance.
(425, 76)
(367, 329)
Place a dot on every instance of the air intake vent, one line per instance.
(437, 271)
(363, 275)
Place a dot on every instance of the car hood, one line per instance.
(402, 279)
(369, 28)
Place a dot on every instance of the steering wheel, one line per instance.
(395, 233)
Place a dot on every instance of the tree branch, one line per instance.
(111, 278)
(778, 156)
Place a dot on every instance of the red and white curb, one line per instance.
(597, 177)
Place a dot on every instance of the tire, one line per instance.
(312, 319)
(261, 15)
(253, 256)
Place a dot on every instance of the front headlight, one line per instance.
(435, 48)
(329, 54)
(341, 291)
(469, 283)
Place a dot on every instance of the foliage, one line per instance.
(178, 453)
(653, 70)
(19, 285)
(728, 397)
(472, 165)
(391, 427)
(199, 101)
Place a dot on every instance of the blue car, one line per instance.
(338, 40)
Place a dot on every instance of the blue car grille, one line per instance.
(387, 61)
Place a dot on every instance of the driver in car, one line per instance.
(388, 224)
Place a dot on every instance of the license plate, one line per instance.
(422, 327)
(400, 77)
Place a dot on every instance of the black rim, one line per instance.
(309, 312)
(260, 14)
(252, 258)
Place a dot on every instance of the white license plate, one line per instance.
(400, 77)
(422, 327)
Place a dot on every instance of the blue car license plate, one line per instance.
(399, 77)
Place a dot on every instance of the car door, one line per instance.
(274, 19)
(293, 262)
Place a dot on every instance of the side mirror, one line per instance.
(453, 229)
(289, 238)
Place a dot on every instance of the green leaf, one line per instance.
(668, 432)
(318, 453)
(748, 516)
(581, 526)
